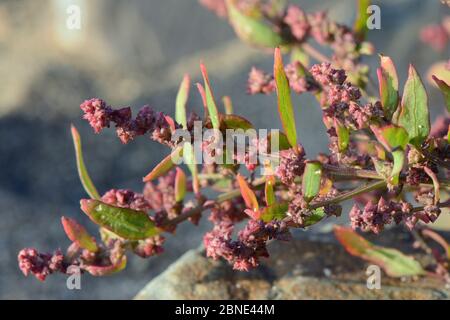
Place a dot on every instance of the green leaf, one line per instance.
(252, 30)
(228, 105)
(343, 135)
(394, 139)
(232, 121)
(414, 115)
(311, 180)
(445, 89)
(210, 102)
(108, 270)
(393, 262)
(276, 211)
(298, 54)
(180, 185)
(182, 97)
(388, 84)
(285, 108)
(167, 164)
(362, 16)
(78, 234)
(283, 142)
(247, 194)
(82, 171)
(189, 160)
(126, 223)
(268, 190)
(316, 216)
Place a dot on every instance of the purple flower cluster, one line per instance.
(292, 164)
(260, 82)
(156, 124)
(40, 264)
(244, 253)
(374, 217)
(150, 247)
(126, 199)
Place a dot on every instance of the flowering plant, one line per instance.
(384, 154)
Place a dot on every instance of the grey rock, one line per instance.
(304, 269)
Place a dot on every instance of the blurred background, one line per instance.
(132, 53)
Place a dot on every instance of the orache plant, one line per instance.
(384, 155)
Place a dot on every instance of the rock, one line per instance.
(306, 268)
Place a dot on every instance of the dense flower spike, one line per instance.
(126, 199)
(99, 115)
(40, 264)
(292, 164)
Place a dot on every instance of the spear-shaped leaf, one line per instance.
(393, 262)
(126, 223)
(167, 164)
(414, 114)
(210, 102)
(247, 194)
(180, 185)
(82, 171)
(360, 26)
(78, 234)
(343, 135)
(182, 97)
(269, 191)
(251, 29)
(311, 180)
(388, 85)
(285, 108)
(445, 89)
(394, 139)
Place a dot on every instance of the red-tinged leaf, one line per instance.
(276, 211)
(414, 114)
(78, 234)
(167, 164)
(210, 102)
(98, 271)
(232, 121)
(360, 26)
(82, 171)
(436, 184)
(181, 101)
(254, 215)
(228, 105)
(388, 82)
(171, 123)
(202, 92)
(251, 29)
(393, 262)
(269, 190)
(343, 135)
(126, 223)
(352, 242)
(180, 185)
(445, 89)
(311, 180)
(392, 137)
(247, 194)
(285, 108)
